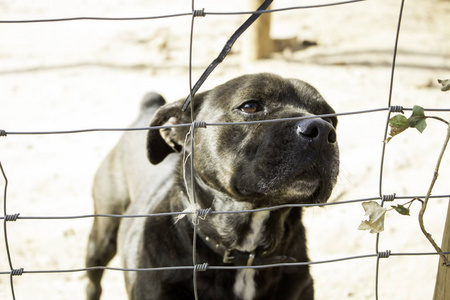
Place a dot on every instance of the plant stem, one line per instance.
(437, 118)
(425, 202)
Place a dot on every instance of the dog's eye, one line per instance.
(250, 107)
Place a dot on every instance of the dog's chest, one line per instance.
(244, 285)
(254, 236)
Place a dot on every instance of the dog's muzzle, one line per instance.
(316, 132)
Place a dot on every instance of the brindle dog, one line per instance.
(236, 167)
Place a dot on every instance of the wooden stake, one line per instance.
(442, 287)
(257, 43)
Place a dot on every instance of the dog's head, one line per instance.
(290, 161)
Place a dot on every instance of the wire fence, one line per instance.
(194, 125)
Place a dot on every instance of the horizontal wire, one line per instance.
(91, 130)
(95, 19)
(286, 8)
(266, 266)
(210, 124)
(175, 15)
(294, 264)
(218, 212)
(190, 124)
(432, 109)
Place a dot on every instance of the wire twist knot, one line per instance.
(397, 108)
(202, 213)
(384, 254)
(199, 124)
(390, 197)
(201, 267)
(11, 218)
(3, 132)
(17, 272)
(199, 13)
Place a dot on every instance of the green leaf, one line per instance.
(420, 125)
(417, 119)
(401, 209)
(399, 121)
(418, 111)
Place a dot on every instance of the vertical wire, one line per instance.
(194, 235)
(383, 151)
(391, 86)
(4, 213)
(5, 231)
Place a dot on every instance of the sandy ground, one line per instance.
(91, 74)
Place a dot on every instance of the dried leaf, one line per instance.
(445, 84)
(376, 215)
(393, 132)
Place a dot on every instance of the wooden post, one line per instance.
(442, 287)
(256, 40)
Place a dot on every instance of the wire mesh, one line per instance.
(388, 109)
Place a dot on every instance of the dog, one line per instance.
(235, 167)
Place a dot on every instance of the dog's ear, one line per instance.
(162, 142)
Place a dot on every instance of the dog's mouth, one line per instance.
(304, 185)
(302, 188)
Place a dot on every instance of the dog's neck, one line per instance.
(249, 232)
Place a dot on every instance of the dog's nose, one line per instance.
(316, 131)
